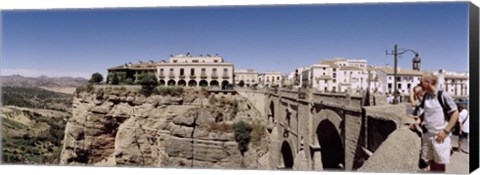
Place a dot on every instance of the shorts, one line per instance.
(438, 152)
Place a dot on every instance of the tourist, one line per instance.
(389, 98)
(436, 140)
(463, 123)
(416, 97)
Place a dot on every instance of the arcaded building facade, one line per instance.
(195, 71)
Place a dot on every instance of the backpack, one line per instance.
(441, 100)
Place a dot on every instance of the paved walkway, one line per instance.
(459, 162)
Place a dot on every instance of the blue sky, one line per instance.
(280, 38)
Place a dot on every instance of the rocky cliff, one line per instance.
(121, 127)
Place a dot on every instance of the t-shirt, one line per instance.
(434, 118)
(463, 117)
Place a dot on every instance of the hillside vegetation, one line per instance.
(33, 124)
(28, 137)
(32, 97)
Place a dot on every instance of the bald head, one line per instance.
(428, 76)
(429, 81)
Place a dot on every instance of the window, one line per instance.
(389, 85)
(214, 70)
(334, 80)
(399, 86)
(182, 71)
(278, 78)
(409, 85)
(171, 70)
(225, 71)
(326, 81)
(324, 73)
(195, 61)
(398, 78)
(323, 68)
(161, 71)
(215, 61)
(174, 61)
(334, 69)
(334, 75)
(389, 78)
(192, 71)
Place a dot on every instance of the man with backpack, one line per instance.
(463, 124)
(439, 117)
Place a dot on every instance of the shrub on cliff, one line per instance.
(169, 90)
(234, 108)
(128, 81)
(148, 83)
(258, 132)
(242, 135)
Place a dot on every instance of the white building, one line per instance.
(270, 78)
(248, 76)
(334, 75)
(406, 79)
(456, 84)
(195, 71)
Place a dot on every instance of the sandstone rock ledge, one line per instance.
(129, 129)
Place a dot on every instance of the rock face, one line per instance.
(129, 129)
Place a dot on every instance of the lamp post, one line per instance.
(395, 53)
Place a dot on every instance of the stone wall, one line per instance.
(399, 153)
(257, 99)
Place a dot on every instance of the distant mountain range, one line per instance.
(42, 81)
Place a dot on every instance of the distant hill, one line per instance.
(42, 81)
(33, 97)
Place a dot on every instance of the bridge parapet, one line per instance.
(381, 121)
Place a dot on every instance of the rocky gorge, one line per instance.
(112, 126)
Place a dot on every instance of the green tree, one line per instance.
(241, 83)
(96, 78)
(148, 83)
(234, 108)
(242, 135)
(115, 79)
(129, 81)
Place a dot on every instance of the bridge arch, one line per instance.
(328, 139)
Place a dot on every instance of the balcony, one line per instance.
(214, 76)
(171, 75)
(161, 76)
(182, 76)
(224, 76)
(203, 76)
(193, 76)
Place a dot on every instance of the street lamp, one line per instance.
(416, 66)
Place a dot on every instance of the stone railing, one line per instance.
(399, 153)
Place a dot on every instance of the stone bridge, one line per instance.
(323, 131)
